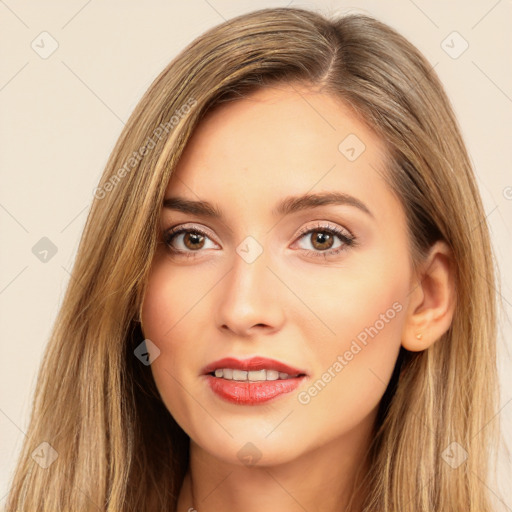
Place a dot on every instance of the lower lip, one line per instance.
(252, 393)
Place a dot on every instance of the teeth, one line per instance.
(273, 374)
(239, 375)
(251, 376)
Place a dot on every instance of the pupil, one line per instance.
(322, 238)
(193, 238)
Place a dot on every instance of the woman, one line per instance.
(283, 295)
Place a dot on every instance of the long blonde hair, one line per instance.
(118, 447)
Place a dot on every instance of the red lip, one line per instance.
(252, 393)
(253, 363)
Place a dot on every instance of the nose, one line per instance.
(250, 299)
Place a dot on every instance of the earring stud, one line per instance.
(419, 336)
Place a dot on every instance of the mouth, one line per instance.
(252, 381)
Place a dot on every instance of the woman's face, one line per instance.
(321, 287)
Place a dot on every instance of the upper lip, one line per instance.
(251, 364)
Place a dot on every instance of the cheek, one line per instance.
(354, 369)
(163, 316)
(170, 296)
(176, 314)
(356, 355)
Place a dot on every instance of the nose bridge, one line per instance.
(248, 296)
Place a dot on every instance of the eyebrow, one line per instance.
(287, 206)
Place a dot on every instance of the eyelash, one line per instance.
(345, 236)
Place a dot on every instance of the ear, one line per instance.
(432, 299)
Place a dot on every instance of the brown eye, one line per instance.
(322, 240)
(326, 240)
(186, 241)
(193, 240)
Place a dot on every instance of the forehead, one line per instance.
(279, 142)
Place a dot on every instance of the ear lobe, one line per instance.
(432, 300)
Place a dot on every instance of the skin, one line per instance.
(288, 305)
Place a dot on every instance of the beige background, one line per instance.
(61, 115)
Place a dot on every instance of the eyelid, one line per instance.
(325, 225)
(191, 226)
